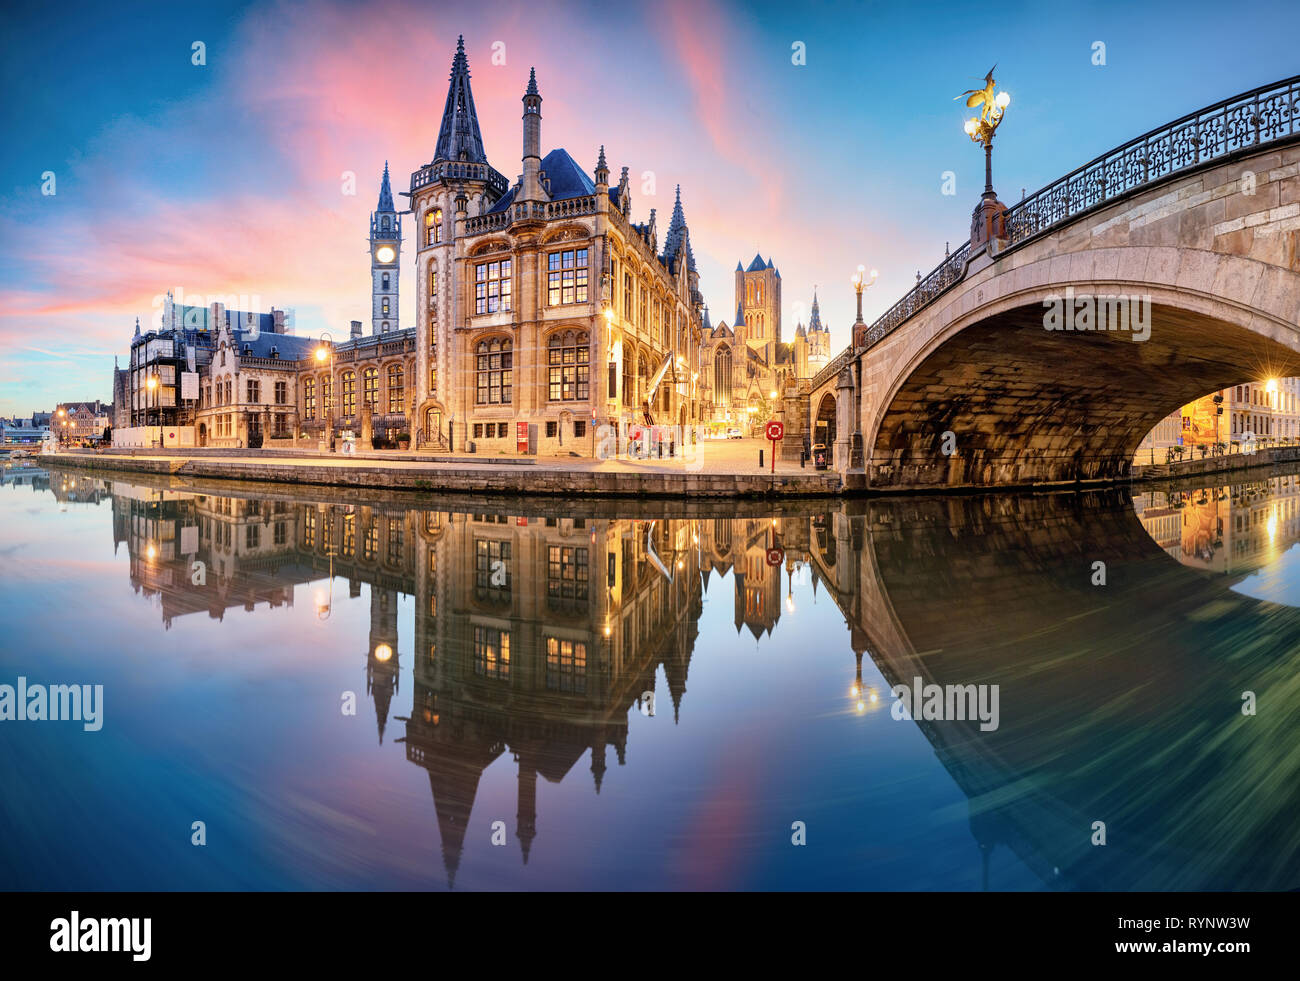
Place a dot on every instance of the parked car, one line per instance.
(734, 433)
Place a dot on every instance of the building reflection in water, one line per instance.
(536, 636)
(533, 636)
(1232, 529)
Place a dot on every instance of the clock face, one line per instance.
(385, 253)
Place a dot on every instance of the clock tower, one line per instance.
(385, 250)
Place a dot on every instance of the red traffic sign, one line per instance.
(775, 555)
(775, 430)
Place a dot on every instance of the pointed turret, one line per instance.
(624, 192)
(602, 169)
(385, 193)
(678, 237)
(532, 189)
(706, 326)
(459, 137)
(815, 321)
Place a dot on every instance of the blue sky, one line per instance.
(224, 178)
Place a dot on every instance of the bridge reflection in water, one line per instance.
(538, 637)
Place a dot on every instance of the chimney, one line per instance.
(356, 328)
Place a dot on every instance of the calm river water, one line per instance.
(365, 691)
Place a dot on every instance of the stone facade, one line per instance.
(543, 304)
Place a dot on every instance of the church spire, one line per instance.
(385, 193)
(815, 321)
(459, 137)
(678, 234)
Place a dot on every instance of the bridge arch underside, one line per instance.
(1025, 405)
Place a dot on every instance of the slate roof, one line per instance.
(289, 347)
(385, 193)
(567, 180)
(459, 133)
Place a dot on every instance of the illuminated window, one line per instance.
(566, 665)
(349, 393)
(396, 389)
(433, 227)
(492, 287)
(492, 653)
(349, 534)
(567, 277)
(491, 569)
(309, 399)
(494, 372)
(568, 354)
(566, 577)
(370, 378)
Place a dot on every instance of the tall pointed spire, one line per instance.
(385, 193)
(815, 321)
(677, 234)
(459, 137)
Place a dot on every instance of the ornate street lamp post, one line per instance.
(986, 222)
(861, 283)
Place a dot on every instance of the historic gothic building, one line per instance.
(543, 309)
(747, 366)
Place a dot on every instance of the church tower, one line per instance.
(385, 251)
(758, 302)
(457, 186)
(819, 340)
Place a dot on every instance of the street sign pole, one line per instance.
(775, 431)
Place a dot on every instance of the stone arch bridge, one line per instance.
(1184, 243)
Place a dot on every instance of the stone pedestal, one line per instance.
(987, 222)
(367, 426)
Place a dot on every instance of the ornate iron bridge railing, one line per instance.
(1266, 115)
(1270, 114)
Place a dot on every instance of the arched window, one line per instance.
(309, 399)
(569, 356)
(371, 381)
(433, 227)
(385, 282)
(349, 393)
(628, 377)
(387, 223)
(494, 372)
(722, 376)
(326, 396)
(396, 389)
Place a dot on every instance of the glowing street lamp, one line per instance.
(980, 129)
